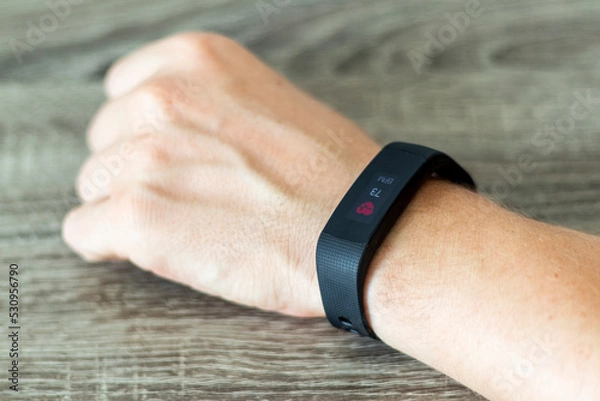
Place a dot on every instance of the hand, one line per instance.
(212, 170)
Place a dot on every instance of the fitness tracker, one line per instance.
(362, 220)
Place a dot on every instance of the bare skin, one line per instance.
(202, 160)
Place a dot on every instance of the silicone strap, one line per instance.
(362, 220)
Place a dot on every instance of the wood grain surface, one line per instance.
(112, 332)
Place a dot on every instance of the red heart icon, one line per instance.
(366, 208)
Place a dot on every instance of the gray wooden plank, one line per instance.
(110, 331)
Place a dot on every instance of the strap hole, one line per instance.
(345, 322)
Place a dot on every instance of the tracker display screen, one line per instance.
(373, 198)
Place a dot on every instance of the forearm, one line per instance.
(506, 305)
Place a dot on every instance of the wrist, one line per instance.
(405, 267)
(363, 219)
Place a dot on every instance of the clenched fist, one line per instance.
(210, 169)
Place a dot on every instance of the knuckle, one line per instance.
(156, 103)
(205, 45)
(92, 178)
(206, 51)
(133, 210)
(150, 152)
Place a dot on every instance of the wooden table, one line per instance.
(490, 86)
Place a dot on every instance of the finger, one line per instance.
(154, 107)
(98, 174)
(134, 69)
(89, 232)
(112, 122)
(173, 55)
(144, 158)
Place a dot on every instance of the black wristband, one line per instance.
(362, 220)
